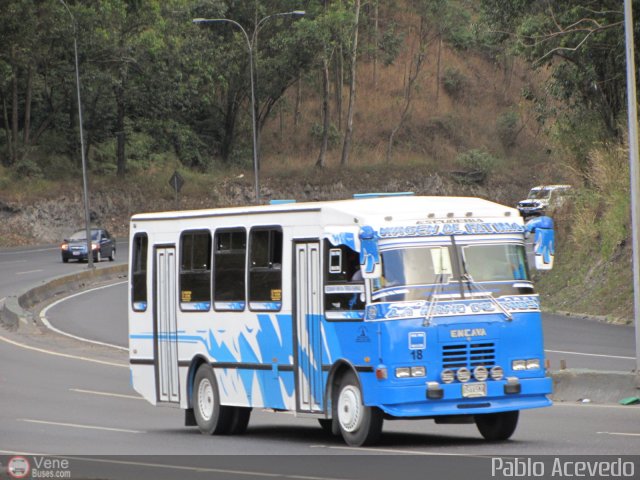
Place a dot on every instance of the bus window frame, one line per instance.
(249, 242)
(183, 233)
(327, 247)
(214, 264)
(144, 236)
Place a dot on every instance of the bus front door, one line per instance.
(166, 325)
(308, 315)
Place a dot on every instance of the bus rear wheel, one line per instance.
(359, 425)
(211, 417)
(496, 427)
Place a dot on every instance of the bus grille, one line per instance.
(468, 355)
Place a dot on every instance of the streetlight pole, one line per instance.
(254, 43)
(85, 188)
(250, 48)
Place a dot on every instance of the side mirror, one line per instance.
(544, 242)
(369, 253)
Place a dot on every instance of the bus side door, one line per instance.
(308, 317)
(166, 331)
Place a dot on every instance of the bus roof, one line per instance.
(370, 211)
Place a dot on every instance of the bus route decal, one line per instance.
(447, 229)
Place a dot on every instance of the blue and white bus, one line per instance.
(347, 311)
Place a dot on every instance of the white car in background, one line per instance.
(542, 199)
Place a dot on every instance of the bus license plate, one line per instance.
(474, 390)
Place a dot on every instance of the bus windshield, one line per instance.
(417, 273)
(418, 268)
(491, 263)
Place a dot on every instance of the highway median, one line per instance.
(17, 309)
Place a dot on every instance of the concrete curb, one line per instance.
(15, 310)
(593, 386)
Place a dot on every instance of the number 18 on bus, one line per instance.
(350, 312)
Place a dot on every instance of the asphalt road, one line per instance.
(60, 396)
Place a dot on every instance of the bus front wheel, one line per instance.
(211, 417)
(496, 427)
(359, 425)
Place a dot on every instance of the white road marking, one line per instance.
(366, 450)
(19, 252)
(173, 467)
(29, 271)
(591, 354)
(591, 405)
(106, 394)
(7, 262)
(622, 434)
(64, 355)
(43, 317)
(76, 425)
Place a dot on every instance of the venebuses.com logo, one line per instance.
(18, 467)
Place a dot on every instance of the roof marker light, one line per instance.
(382, 194)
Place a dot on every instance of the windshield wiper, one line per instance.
(465, 277)
(435, 295)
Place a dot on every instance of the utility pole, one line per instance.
(632, 103)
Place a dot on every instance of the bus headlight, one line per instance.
(517, 365)
(463, 374)
(447, 376)
(480, 373)
(497, 373)
(406, 372)
(533, 364)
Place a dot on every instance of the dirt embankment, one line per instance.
(49, 220)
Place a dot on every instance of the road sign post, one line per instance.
(176, 182)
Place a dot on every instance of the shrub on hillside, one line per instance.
(334, 134)
(478, 160)
(454, 82)
(507, 128)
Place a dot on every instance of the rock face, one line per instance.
(52, 219)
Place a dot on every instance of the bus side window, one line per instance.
(139, 273)
(195, 270)
(229, 269)
(344, 285)
(265, 269)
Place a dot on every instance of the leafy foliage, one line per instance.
(477, 160)
(454, 82)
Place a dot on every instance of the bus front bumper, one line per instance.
(447, 399)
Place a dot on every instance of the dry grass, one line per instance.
(437, 129)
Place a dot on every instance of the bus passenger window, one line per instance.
(195, 270)
(229, 269)
(265, 269)
(139, 273)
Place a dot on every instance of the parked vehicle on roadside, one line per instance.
(543, 199)
(103, 245)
